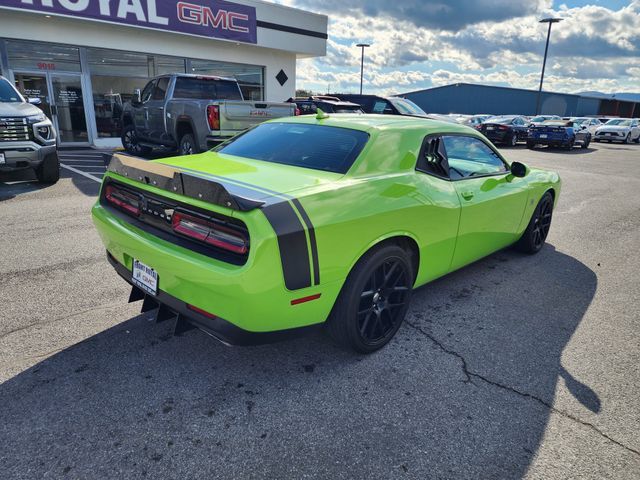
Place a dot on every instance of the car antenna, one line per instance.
(320, 114)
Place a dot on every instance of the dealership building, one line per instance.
(470, 98)
(84, 58)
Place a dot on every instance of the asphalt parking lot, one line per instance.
(514, 367)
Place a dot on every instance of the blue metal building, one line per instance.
(475, 99)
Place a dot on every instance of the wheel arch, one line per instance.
(184, 125)
(404, 239)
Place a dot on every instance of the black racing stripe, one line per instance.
(312, 240)
(292, 242)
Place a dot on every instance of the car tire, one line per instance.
(187, 145)
(586, 143)
(513, 140)
(637, 140)
(531, 145)
(49, 169)
(373, 301)
(535, 235)
(628, 138)
(129, 139)
(570, 144)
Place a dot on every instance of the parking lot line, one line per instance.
(80, 172)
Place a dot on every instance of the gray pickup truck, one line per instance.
(27, 137)
(191, 113)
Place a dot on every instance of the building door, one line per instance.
(61, 97)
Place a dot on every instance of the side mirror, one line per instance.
(137, 99)
(34, 100)
(518, 169)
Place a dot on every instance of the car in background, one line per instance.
(625, 130)
(384, 105)
(442, 118)
(543, 118)
(191, 113)
(559, 133)
(591, 123)
(508, 129)
(459, 117)
(476, 120)
(326, 103)
(326, 220)
(27, 137)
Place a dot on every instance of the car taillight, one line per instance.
(122, 199)
(208, 232)
(213, 117)
(503, 127)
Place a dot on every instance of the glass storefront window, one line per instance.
(24, 55)
(114, 77)
(249, 77)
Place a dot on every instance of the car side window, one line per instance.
(146, 93)
(160, 89)
(433, 159)
(379, 106)
(469, 156)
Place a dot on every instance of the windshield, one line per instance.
(619, 121)
(331, 149)
(406, 107)
(203, 88)
(8, 93)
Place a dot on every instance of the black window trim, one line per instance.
(458, 134)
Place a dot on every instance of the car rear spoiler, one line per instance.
(174, 180)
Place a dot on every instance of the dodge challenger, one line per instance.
(315, 221)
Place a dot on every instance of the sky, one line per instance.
(418, 44)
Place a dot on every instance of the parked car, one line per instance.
(326, 103)
(442, 118)
(592, 124)
(507, 129)
(543, 118)
(619, 130)
(385, 105)
(559, 133)
(27, 136)
(309, 221)
(475, 121)
(191, 113)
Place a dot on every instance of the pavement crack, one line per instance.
(472, 375)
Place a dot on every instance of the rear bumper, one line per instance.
(24, 155)
(497, 136)
(225, 331)
(252, 297)
(552, 142)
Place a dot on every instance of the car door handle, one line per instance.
(467, 195)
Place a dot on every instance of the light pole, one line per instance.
(550, 21)
(363, 46)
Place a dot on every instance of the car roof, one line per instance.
(371, 122)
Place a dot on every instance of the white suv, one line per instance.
(619, 130)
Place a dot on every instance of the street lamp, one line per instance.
(550, 21)
(363, 46)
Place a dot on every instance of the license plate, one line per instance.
(2, 159)
(145, 277)
(490, 128)
(543, 135)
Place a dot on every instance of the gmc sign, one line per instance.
(205, 18)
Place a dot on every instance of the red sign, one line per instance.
(46, 66)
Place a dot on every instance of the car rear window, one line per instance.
(319, 147)
(200, 88)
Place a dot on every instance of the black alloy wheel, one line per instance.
(187, 145)
(374, 299)
(130, 142)
(535, 235)
(542, 222)
(382, 302)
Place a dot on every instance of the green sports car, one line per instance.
(315, 221)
